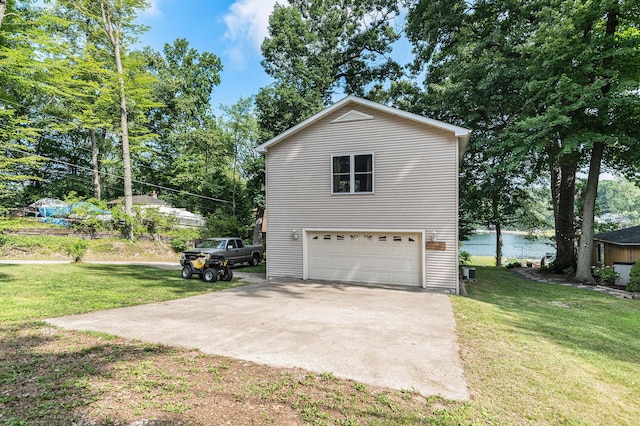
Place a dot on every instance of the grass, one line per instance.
(32, 292)
(532, 353)
(545, 354)
(23, 222)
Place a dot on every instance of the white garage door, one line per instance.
(381, 257)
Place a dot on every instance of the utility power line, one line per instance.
(119, 176)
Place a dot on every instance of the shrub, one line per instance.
(77, 248)
(634, 278)
(180, 243)
(464, 258)
(127, 225)
(607, 274)
(90, 226)
(154, 222)
(515, 264)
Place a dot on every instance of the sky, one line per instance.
(233, 30)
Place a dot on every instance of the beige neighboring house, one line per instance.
(362, 192)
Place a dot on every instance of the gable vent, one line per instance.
(353, 115)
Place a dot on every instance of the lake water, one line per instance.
(514, 246)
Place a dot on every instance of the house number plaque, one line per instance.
(436, 245)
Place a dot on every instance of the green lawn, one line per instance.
(532, 353)
(32, 292)
(544, 354)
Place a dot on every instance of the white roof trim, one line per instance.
(461, 133)
(352, 115)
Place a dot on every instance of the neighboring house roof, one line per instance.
(461, 133)
(142, 200)
(626, 236)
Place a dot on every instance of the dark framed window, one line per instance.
(352, 173)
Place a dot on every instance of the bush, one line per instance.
(464, 258)
(154, 222)
(634, 278)
(515, 264)
(128, 226)
(180, 243)
(607, 274)
(77, 248)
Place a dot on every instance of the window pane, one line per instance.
(341, 183)
(364, 163)
(341, 164)
(363, 182)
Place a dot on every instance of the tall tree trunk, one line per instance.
(257, 226)
(96, 164)
(3, 9)
(124, 128)
(563, 184)
(498, 244)
(585, 248)
(114, 38)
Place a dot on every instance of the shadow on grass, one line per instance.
(45, 383)
(581, 320)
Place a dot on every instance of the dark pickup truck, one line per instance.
(232, 249)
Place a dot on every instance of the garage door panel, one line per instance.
(388, 258)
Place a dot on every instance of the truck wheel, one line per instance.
(210, 275)
(255, 260)
(187, 272)
(226, 274)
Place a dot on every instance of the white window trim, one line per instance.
(352, 174)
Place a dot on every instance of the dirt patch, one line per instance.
(57, 377)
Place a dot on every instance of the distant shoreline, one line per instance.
(489, 231)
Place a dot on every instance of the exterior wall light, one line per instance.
(434, 235)
(294, 234)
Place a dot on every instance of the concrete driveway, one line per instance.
(395, 337)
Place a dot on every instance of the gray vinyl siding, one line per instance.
(415, 183)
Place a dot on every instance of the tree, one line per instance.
(620, 198)
(115, 17)
(494, 195)
(584, 70)
(30, 77)
(71, 91)
(473, 74)
(191, 151)
(242, 126)
(318, 48)
(116, 20)
(555, 75)
(3, 8)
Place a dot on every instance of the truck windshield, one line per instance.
(212, 244)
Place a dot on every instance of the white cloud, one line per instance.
(247, 25)
(153, 10)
